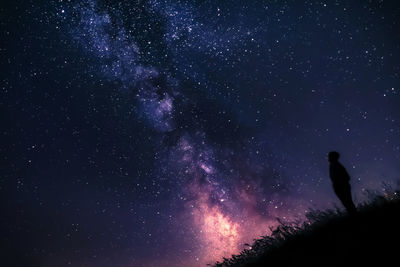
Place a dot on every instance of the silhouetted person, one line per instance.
(341, 182)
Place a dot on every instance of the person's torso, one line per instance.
(338, 173)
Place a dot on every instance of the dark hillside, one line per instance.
(332, 238)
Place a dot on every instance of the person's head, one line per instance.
(333, 156)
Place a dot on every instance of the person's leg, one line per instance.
(347, 199)
(343, 192)
(340, 194)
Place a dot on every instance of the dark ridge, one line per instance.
(371, 237)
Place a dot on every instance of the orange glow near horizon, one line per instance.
(222, 235)
(219, 234)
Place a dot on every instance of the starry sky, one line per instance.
(172, 132)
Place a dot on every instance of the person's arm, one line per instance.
(334, 172)
(345, 174)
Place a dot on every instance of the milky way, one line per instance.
(222, 200)
(171, 133)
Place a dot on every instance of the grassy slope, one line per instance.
(332, 238)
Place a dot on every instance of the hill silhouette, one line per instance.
(331, 238)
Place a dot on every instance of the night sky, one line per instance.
(171, 132)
